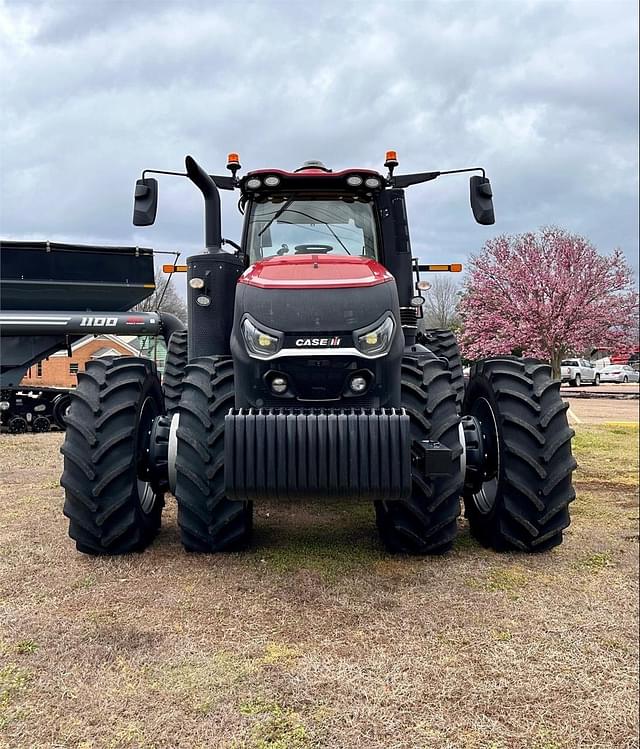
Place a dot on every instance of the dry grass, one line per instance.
(316, 638)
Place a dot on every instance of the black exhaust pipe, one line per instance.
(212, 222)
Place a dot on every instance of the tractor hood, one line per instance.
(311, 271)
(316, 308)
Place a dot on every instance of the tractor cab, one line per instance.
(310, 211)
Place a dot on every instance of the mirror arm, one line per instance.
(406, 180)
(161, 171)
(470, 169)
(222, 181)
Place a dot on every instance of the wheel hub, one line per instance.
(482, 451)
(151, 458)
(155, 470)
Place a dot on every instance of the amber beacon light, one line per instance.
(391, 161)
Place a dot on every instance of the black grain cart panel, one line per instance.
(57, 276)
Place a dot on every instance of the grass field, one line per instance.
(315, 637)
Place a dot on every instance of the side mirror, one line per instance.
(145, 202)
(482, 200)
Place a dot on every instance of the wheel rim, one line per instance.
(146, 494)
(485, 498)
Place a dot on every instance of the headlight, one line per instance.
(259, 342)
(376, 341)
(5, 405)
(253, 184)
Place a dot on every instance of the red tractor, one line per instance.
(304, 373)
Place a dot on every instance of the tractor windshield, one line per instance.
(294, 227)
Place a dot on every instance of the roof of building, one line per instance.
(121, 340)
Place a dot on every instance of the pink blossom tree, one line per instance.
(547, 294)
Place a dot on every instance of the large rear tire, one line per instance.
(520, 499)
(174, 366)
(443, 344)
(111, 506)
(209, 522)
(426, 523)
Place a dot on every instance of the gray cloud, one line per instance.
(544, 94)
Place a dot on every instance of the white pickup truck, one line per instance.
(579, 372)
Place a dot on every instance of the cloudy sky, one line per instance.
(543, 94)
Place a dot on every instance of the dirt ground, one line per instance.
(316, 637)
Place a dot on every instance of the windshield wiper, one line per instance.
(276, 215)
(319, 221)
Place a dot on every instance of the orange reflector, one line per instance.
(174, 268)
(391, 156)
(233, 158)
(450, 268)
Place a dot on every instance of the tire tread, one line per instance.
(101, 500)
(426, 523)
(209, 522)
(532, 508)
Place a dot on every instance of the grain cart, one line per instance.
(52, 294)
(303, 375)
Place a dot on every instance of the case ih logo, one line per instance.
(318, 342)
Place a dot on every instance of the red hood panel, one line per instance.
(315, 272)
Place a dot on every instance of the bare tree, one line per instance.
(441, 303)
(164, 299)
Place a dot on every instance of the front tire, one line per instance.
(596, 380)
(520, 499)
(443, 343)
(174, 367)
(209, 522)
(111, 506)
(426, 523)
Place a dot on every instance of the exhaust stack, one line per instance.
(209, 190)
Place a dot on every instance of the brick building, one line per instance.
(60, 370)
